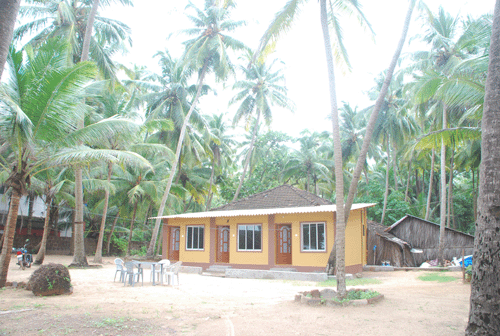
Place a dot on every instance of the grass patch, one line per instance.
(350, 282)
(437, 276)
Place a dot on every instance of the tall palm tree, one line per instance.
(8, 14)
(485, 287)
(204, 53)
(261, 89)
(38, 108)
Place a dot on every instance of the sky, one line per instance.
(155, 24)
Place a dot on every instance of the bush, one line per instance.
(51, 279)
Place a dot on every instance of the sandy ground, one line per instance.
(204, 305)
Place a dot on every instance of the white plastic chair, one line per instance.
(119, 269)
(133, 273)
(159, 269)
(172, 273)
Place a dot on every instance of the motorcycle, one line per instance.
(24, 259)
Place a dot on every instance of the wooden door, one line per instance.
(175, 239)
(223, 244)
(284, 244)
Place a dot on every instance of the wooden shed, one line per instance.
(396, 242)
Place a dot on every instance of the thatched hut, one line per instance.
(424, 235)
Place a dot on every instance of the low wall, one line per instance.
(281, 275)
(63, 245)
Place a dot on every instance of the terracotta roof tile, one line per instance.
(284, 196)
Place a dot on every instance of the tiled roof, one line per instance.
(284, 196)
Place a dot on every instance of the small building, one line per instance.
(283, 227)
(412, 241)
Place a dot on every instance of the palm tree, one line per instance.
(54, 184)
(37, 112)
(308, 162)
(68, 19)
(261, 89)
(8, 14)
(220, 151)
(485, 287)
(206, 52)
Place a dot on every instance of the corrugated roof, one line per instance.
(260, 212)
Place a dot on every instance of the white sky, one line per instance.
(301, 51)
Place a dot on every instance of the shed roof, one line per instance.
(272, 211)
(284, 196)
(402, 220)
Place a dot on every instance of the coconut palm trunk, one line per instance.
(248, 157)
(111, 233)
(131, 229)
(8, 236)
(79, 258)
(98, 252)
(442, 200)
(431, 180)
(378, 106)
(484, 314)
(386, 192)
(40, 256)
(182, 134)
(339, 244)
(8, 15)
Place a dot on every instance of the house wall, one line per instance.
(266, 258)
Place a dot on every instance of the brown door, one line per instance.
(223, 244)
(175, 239)
(284, 245)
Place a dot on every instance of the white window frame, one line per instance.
(192, 238)
(246, 231)
(317, 240)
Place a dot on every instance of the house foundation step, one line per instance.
(216, 270)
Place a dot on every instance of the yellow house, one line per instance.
(284, 227)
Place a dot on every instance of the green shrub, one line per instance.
(437, 276)
(142, 252)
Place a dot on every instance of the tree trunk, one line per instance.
(111, 233)
(8, 236)
(40, 256)
(8, 15)
(339, 244)
(88, 32)
(79, 258)
(431, 179)
(386, 192)
(249, 156)
(98, 251)
(209, 195)
(131, 229)
(450, 192)
(408, 180)
(442, 200)
(156, 228)
(484, 314)
(373, 117)
(31, 201)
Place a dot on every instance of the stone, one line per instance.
(315, 293)
(358, 275)
(328, 293)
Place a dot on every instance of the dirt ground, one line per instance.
(204, 305)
